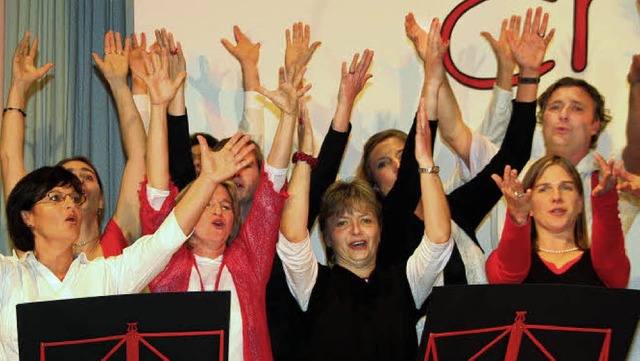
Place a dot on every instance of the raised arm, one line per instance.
(115, 68)
(511, 261)
(23, 75)
(631, 153)
(431, 256)
(248, 55)
(162, 90)
(452, 127)
(353, 80)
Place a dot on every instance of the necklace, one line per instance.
(82, 244)
(557, 251)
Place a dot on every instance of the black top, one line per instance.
(469, 204)
(580, 273)
(181, 166)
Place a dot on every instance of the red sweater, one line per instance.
(249, 259)
(511, 261)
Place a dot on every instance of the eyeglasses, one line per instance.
(59, 198)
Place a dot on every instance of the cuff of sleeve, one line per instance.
(502, 97)
(156, 197)
(290, 249)
(277, 176)
(142, 101)
(251, 100)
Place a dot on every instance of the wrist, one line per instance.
(306, 158)
(529, 72)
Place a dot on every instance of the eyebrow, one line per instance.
(550, 183)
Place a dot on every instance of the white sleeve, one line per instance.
(156, 197)
(143, 104)
(495, 122)
(277, 176)
(252, 122)
(425, 265)
(480, 154)
(300, 268)
(141, 262)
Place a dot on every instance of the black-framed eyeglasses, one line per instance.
(60, 197)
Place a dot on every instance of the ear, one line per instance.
(595, 126)
(27, 218)
(101, 202)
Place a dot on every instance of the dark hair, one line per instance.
(85, 160)
(257, 152)
(601, 113)
(211, 140)
(29, 190)
(535, 172)
(346, 196)
(363, 171)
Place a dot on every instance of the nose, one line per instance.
(355, 228)
(564, 114)
(557, 195)
(217, 209)
(396, 165)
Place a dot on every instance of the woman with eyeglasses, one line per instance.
(45, 219)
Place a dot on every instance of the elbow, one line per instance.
(439, 236)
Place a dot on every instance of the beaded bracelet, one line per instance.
(16, 109)
(309, 159)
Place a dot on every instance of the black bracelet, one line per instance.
(525, 80)
(16, 109)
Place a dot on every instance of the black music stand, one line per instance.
(529, 322)
(158, 326)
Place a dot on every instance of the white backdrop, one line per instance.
(214, 87)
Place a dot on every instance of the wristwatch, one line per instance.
(431, 170)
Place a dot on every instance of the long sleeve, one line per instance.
(608, 253)
(151, 217)
(481, 191)
(181, 166)
(329, 160)
(300, 268)
(425, 266)
(494, 124)
(252, 122)
(511, 261)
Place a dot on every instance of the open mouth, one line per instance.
(358, 244)
(558, 211)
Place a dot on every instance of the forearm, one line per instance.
(607, 247)
(177, 106)
(300, 268)
(131, 127)
(511, 261)
(437, 218)
(282, 142)
(293, 225)
(424, 267)
(528, 92)
(158, 153)
(250, 76)
(181, 166)
(452, 127)
(631, 153)
(12, 140)
(342, 117)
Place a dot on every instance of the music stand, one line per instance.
(158, 326)
(529, 322)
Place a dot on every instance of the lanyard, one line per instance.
(218, 275)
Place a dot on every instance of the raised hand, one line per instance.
(518, 201)
(436, 48)
(23, 71)
(607, 176)
(354, 79)
(500, 47)
(246, 52)
(298, 51)
(423, 137)
(115, 65)
(305, 130)
(530, 47)
(418, 36)
(136, 62)
(629, 182)
(156, 76)
(288, 92)
(177, 63)
(223, 164)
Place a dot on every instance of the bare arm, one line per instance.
(24, 74)
(631, 153)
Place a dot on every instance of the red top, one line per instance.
(113, 241)
(511, 261)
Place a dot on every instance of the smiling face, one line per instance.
(216, 224)
(90, 186)
(556, 201)
(354, 237)
(569, 122)
(55, 219)
(384, 162)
